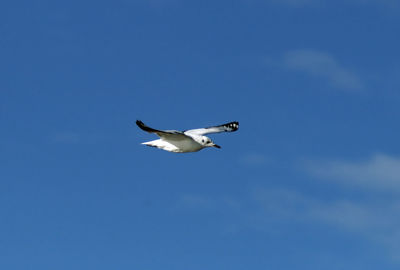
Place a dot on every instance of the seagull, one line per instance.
(191, 140)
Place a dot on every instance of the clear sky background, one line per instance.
(310, 181)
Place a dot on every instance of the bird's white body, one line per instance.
(186, 141)
(182, 146)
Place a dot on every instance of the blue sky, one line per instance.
(310, 181)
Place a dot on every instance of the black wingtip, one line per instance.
(232, 126)
(142, 126)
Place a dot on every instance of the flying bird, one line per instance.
(191, 140)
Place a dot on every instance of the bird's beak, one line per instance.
(216, 146)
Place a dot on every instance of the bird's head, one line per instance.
(207, 142)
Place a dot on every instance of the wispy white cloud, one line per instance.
(322, 65)
(380, 172)
(373, 217)
(272, 210)
(377, 221)
(352, 215)
(376, 218)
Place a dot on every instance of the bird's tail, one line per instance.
(162, 145)
(155, 143)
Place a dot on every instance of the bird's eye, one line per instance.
(202, 140)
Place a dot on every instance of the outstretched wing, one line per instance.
(228, 127)
(168, 134)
